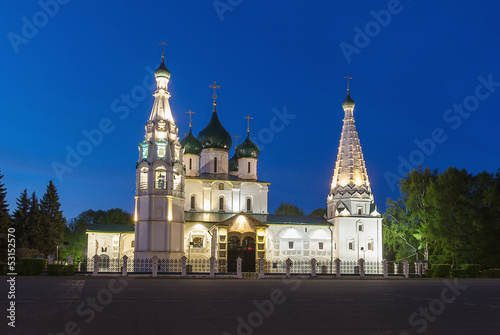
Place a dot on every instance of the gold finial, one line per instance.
(162, 49)
(248, 125)
(190, 113)
(215, 87)
(236, 140)
(348, 83)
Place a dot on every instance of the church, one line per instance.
(193, 200)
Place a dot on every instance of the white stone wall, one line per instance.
(207, 160)
(113, 245)
(244, 172)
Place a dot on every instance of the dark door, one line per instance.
(244, 249)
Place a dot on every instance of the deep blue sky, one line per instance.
(265, 55)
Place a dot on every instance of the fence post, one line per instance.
(426, 266)
(313, 267)
(288, 266)
(212, 266)
(419, 268)
(385, 268)
(183, 266)
(124, 266)
(405, 268)
(154, 266)
(261, 268)
(337, 267)
(79, 266)
(96, 265)
(71, 259)
(361, 263)
(238, 268)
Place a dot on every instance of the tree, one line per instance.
(20, 220)
(34, 235)
(288, 209)
(318, 212)
(53, 222)
(5, 221)
(117, 216)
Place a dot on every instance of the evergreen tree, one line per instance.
(318, 212)
(52, 221)
(33, 226)
(20, 220)
(4, 221)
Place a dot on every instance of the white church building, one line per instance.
(192, 199)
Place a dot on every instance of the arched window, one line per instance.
(249, 167)
(160, 178)
(143, 179)
(193, 202)
(215, 165)
(190, 164)
(360, 227)
(249, 204)
(221, 204)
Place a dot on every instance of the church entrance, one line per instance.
(241, 248)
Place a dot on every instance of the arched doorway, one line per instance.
(244, 249)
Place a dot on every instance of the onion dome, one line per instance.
(348, 102)
(214, 135)
(191, 145)
(162, 70)
(248, 149)
(233, 163)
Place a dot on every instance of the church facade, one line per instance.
(193, 200)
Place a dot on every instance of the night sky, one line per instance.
(88, 65)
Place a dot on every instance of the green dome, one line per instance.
(248, 149)
(214, 135)
(348, 102)
(233, 163)
(162, 70)
(191, 145)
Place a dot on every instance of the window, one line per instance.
(249, 205)
(161, 145)
(249, 167)
(369, 245)
(104, 249)
(132, 244)
(143, 179)
(221, 203)
(360, 211)
(193, 202)
(198, 242)
(221, 186)
(360, 227)
(160, 179)
(290, 245)
(190, 164)
(215, 165)
(320, 245)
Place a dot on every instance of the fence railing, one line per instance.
(212, 266)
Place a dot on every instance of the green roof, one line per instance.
(214, 135)
(110, 228)
(233, 163)
(162, 70)
(348, 102)
(248, 149)
(191, 145)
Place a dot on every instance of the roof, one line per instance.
(225, 177)
(214, 135)
(110, 228)
(265, 218)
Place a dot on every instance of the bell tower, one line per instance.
(159, 199)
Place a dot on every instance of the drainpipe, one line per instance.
(331, 245)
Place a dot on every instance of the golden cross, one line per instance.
(236, 140)
(248, 118)
(348, 82)
(190, 113)
(162, 48)
(215, 87)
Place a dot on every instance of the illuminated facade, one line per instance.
(193, 201)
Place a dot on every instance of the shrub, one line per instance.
(471, 269)
(429, 273)
(31, 266)
(60, 270)
(491, 273)
(3, 269)
(459, 273)
(441, 270)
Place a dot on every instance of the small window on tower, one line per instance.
(290, 245)
(132, 244)
(351, 246)
(221, 204)
(190, 164)
(160, 179)
(248, 167)
(249, 204)
(221, 186)
(193, 202)
(320, 245)
(215, 165)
